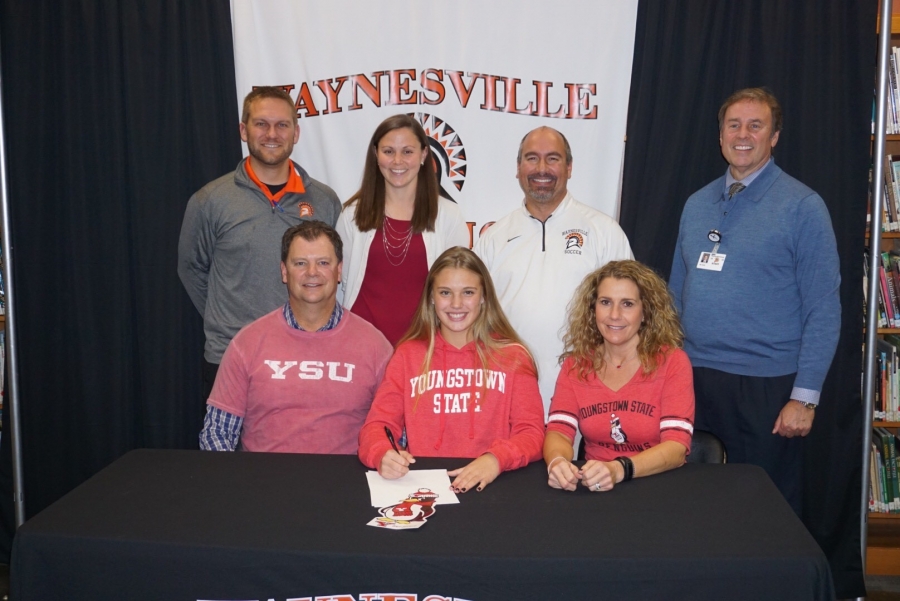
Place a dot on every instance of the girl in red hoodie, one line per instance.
(461, 382)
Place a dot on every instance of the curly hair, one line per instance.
(369, 199)
(659, 332)
(491, 330)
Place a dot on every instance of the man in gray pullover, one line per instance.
(228, 250)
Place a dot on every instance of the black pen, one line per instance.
(391, 438)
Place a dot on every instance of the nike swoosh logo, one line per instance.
(514, 237)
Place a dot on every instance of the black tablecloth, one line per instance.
(189, 525)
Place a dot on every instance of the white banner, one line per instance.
(479, 75)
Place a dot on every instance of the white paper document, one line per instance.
(389, 492)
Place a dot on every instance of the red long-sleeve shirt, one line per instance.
(458, 409)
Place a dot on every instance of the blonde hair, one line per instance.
(491, 330)
(659, 331)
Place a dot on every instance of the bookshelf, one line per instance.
(883, 529)
(883, 540)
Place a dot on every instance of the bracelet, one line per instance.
(628, 466)
(549, 465)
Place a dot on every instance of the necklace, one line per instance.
(395, 241)
(619, 366)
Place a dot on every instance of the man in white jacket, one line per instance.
(539, 253)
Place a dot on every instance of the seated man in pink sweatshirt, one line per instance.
(301, 378)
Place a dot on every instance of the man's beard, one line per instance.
(259, 153)
(541, 193)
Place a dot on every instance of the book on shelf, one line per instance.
(874, 489)
(895, 182)
(886, 222)
(894, 263)
(887, 497)
(891, 170)
(892, 121)
(892, 289)
(892, 357)
(869, 204)
(883, 374)
(883, 500)
(885, 298)
(892, 451)
(892, 124)
(890, 196)
(890, 295)
(884, 486)
(894, 80)
(877, 482)
(882, 311)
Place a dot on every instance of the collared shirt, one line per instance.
(332, 323)
(536, 265)
(729, 179)
(222, 430)
(294, 184)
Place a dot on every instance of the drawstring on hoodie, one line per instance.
(437, 445)
(443, 413)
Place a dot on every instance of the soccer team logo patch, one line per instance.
(574, 241)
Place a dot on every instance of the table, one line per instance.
(193, 525)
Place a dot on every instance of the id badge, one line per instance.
(711, 261)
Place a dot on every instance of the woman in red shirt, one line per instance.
(394, 227)
(625, 383)
(461, 382)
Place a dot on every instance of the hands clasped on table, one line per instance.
(597, 476)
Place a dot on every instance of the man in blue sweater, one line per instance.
(761, 314)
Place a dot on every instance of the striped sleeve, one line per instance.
(563, 416)
(673, 422)
(677, 404)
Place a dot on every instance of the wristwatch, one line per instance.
(808, 405)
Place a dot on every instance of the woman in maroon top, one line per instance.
(394, 227)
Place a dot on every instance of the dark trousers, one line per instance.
(209, 371)
(741, 410)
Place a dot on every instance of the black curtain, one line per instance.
(819, 59)
(115, 113)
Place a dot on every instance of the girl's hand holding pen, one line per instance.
(395, 463)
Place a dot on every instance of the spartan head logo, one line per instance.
(447, 151)
(574, 240)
